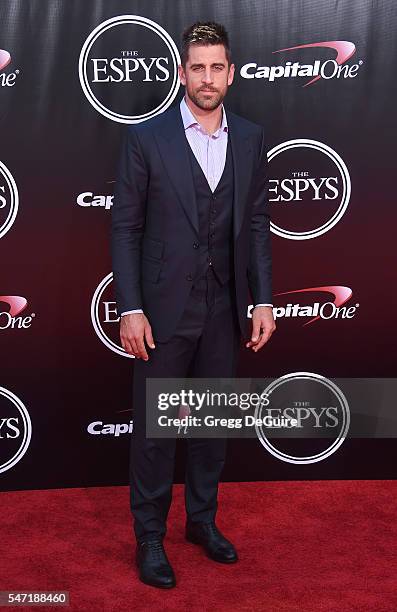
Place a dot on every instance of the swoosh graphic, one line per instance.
(340, 294)
(5, 58)
(16, 303)
(344, 51)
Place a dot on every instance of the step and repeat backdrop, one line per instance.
(319, 76)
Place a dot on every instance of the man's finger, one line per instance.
(126, 344)
(265, 337)
(149, 336)
(134, 347)
(141, 348)
(256, 325)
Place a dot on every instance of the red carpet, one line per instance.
(322, 546)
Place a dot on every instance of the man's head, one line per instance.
(206, 69)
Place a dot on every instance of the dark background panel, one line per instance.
(58, 146)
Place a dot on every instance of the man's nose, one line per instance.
(207, 76)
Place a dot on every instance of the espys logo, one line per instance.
(10, 318)
(7, 79)
(320, 409)
(314, 309)
(104, 316)
(309, 188)
(128, 69)
(334, 68)
(9, 199)
(15, 429)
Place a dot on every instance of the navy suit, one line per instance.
(155, 221)
(163, 237)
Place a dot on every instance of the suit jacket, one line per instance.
(155, 220)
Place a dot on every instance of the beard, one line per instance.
(205, 100)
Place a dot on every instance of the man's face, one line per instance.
(206, 75)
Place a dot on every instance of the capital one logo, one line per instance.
(309, 188)
(320, 409)
(308, 306)
(309, 312)
(9, 199)
(88, 199)
(11, 307)
(128, 69)
(104, 316)
(15, 429)
(7, 79)
(333, 68)
(99, 428)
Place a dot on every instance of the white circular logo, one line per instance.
(306, 397)
(128, 69)
(9, 199)
(104, 317)
(16, 429)
(309, 193)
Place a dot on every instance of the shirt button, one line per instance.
(213, 211)
(195, 245)
(189, 277)
(212, 235)
(212, 223)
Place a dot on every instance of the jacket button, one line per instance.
(189, 277)
(195, 245)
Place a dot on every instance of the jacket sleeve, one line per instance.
(259, 270)
(128, 222)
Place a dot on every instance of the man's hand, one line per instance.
(134, 329)
(263, 326)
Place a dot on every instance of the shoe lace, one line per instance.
(156, 549)
(213, 529)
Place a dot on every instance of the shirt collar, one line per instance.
(189, 119)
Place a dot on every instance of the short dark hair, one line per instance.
(204, 33)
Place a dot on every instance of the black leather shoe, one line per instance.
(214, 543)
(154, 567)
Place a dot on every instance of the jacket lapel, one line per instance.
(242, 166)
(172, 144)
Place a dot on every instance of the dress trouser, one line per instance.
(205, 345)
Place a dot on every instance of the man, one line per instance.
(190, 237)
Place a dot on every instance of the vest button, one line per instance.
(189, 277)
(212, 235)
(195, 245)
(213, 211)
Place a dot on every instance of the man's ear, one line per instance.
(182, 76)
(230, 76)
